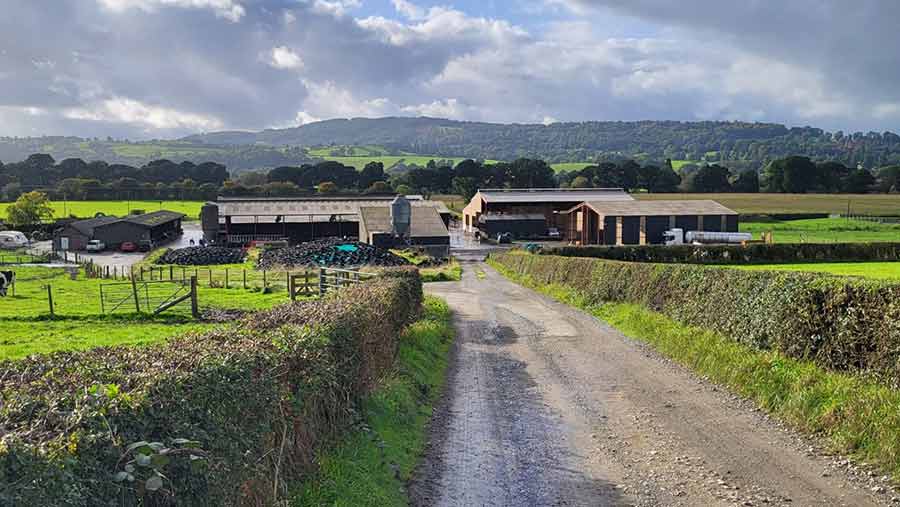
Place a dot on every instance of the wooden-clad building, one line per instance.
(644, 222)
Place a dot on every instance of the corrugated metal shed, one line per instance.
(426, 221)
(658, 208)
(305, 210)
(549, 195)
(155, 218)
(87, 227)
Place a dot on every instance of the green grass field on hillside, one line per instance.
(825, 230)
(861, 204)
(359, 156)
(876, 270)
(87, 209)
(565, 167)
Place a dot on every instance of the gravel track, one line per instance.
(546, 405)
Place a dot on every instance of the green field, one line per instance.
(825, 230)
(79, 323)
(164, 151)
(87, 209)
(359, 156)
(564, 167)
(862, 204)
(876, 270)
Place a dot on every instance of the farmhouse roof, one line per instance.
(542, 195)
(425, 221)
(658, 208)
(87, 226)
(301, 209)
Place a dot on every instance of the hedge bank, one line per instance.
(787, 253)
(839, 323)
(228, 416)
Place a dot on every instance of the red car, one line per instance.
(128, 246)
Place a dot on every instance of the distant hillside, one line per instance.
(739, 145)
(746, 143)
(237, 157)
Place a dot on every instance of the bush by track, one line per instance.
(840, 323)
(786, 253)
(258, 399)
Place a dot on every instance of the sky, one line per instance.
(143, 69)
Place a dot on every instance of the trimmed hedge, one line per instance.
(787, 253)
(259, 398)
(840, 323)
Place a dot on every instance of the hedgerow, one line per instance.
(226, 417)
(839, 323)
(737, 254)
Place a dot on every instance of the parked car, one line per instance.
(145, 245)
(553, 232)
(128, 246)
(10, 240)
(504, 238)
(95, 245)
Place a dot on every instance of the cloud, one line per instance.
(124, 110)
(228, 9)
(155, 68)
(283, 57)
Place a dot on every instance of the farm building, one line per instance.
(238, 221)
(74, 236)
(644, 222)
(427, 229)
(156, 227)
(519, 211)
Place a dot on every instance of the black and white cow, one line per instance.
(6, 280)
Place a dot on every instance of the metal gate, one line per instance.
(152, 297)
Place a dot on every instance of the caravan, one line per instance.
(10, 240)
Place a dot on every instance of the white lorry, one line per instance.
(679, 237)
(10, 240)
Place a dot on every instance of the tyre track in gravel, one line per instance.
(546, 405)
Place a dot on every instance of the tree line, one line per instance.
(75, 179)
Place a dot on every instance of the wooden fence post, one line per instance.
(245, 278)
(291, 292)
(226, 278)
(195, 309)
(321, 281)
(134, 292)
(210, 277)
(50, 299)
(265, 283)
(171, 273)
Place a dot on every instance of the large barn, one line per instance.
(241, 220)
(644, 222)
(530, 213)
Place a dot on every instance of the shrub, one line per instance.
(737, 254)
(840, 323)
(257, 398)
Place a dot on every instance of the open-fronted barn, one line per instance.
(644, 222)
(518, 211)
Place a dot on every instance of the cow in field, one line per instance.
(6, 280)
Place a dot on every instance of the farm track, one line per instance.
(545, 405)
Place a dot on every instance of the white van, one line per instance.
(10, 240)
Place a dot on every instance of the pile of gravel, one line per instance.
(202, 256)
(331, 252)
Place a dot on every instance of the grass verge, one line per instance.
(857, 415)
(372, 465)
